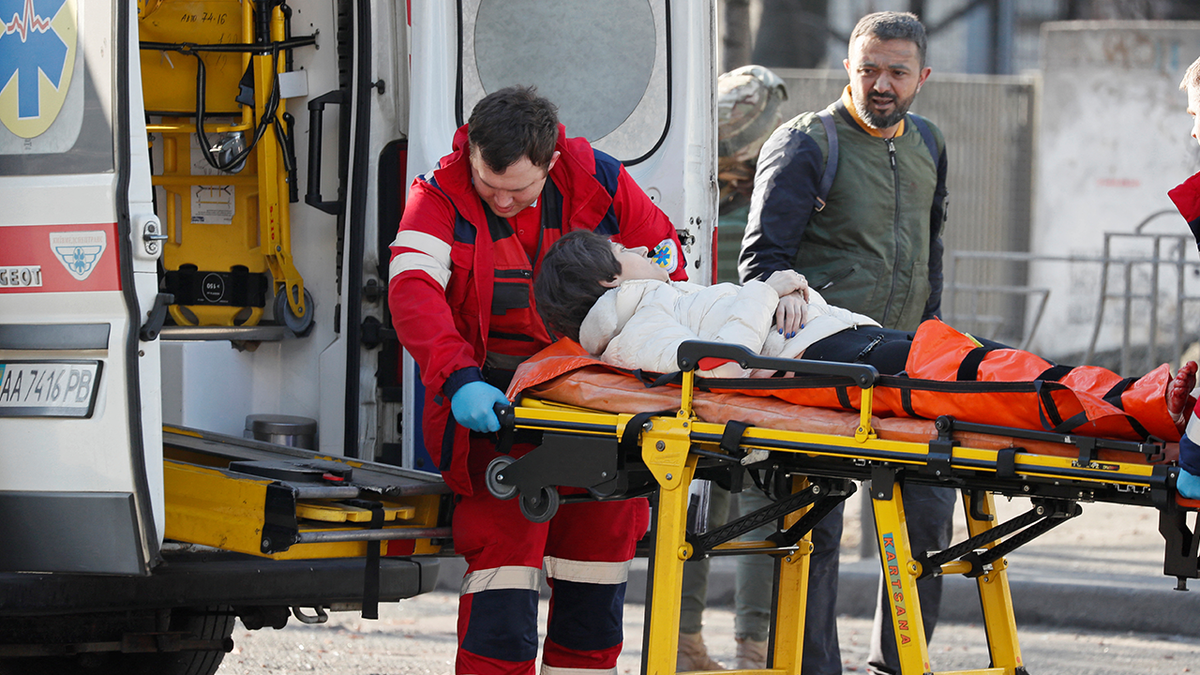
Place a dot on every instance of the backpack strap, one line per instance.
(831, 158)
(927, 136)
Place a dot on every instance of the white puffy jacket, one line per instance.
(641, 323)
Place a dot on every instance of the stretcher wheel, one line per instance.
(540, 507)
(494, 486)
(297, 324)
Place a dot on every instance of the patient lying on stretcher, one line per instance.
(620, 306)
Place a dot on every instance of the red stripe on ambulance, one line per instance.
(59, 258)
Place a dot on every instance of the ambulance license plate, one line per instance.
(49, 388)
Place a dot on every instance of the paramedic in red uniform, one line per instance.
(1187, 199)
(469, 245)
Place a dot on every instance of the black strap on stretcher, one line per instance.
(652, 380)
(267, 117)
(839, 376)
(370, 600)
(1153, 449)
(629, 443)
(968, 371)
(237, 287)
(731, 441)
(1052, 422)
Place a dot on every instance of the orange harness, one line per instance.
(948, 373)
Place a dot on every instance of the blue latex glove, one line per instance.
(472, 406)
(1188, 485)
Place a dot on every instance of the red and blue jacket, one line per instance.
(1187, 199)
(459, 274)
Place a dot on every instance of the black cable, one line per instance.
(268, 117)
(258, 48)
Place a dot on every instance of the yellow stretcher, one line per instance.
(210, 72)
(616, 455)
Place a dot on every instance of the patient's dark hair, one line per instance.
(569, 282)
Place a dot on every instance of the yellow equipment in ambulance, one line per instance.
(201, 398)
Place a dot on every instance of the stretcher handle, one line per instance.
(504, 413)
(691, 351)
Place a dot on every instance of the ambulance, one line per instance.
(204, 411)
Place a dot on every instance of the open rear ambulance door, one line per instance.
(80, 429)
(634, 77)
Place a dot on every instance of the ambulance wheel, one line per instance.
(300, 325)
(540, 507)
(214, 624)
(494, 486)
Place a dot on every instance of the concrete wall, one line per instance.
(1112, 139)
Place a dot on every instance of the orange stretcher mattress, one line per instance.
(564, 373)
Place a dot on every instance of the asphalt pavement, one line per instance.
(417, 637)
(1099, 571)
(1090, 599)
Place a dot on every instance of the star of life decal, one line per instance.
(79, 251)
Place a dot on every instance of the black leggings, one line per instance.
(884, 348)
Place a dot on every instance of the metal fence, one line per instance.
(987, 122)
(1147, 305)
(1142, 282)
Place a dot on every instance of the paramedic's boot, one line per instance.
(751, 654)
(693, 655)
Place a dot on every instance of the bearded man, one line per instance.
(854, 198)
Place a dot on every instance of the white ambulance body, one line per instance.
(142, 286)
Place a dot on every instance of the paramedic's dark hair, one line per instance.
(893, 26)
(569, 282)
(512, 123)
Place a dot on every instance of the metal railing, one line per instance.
(1126, 284)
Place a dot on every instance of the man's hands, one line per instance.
(472, 406)
(788, 281)
(792, 312)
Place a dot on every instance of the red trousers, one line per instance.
(584, 552)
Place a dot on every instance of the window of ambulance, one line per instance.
(604, 64)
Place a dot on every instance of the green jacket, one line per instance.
(875, 248)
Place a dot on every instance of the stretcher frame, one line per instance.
(659, 454)
(262, 186)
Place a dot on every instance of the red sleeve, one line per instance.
(421, 270)
(1187, 198)
(642, 223)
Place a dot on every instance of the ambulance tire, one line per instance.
(541, 507)
(202, 623)
(208, 623)
(499, 490)
(300, 325)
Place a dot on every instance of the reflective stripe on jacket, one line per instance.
(443, 282)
